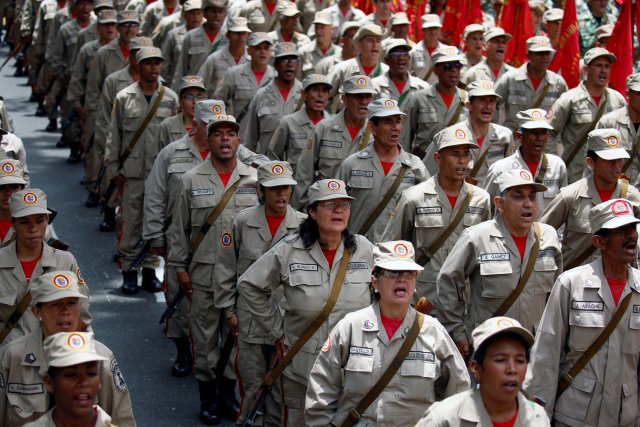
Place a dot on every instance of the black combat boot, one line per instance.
(52, 126)
(209, 413)
(93, 200)
(109, 221)
(229, 405)
(182, 366)
(129, 282)
(150, 282)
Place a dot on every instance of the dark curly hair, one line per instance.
(310, 234)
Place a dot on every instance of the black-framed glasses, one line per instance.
(399, 54)
(289, 60)
(394, 274)
(448, 66)
(191, 97)
(332, 206)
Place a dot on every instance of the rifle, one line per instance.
(173, 307)
(12, 54)
(142, 253)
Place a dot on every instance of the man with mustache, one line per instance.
(570, 208)
(505, 266)
(493, 66)
(582, 303)
(574, 113)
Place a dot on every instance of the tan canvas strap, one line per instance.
(428, 74)
(299, 104)
(213, 216)
(582, 361)
(513, 296)
(479, 163)
(367, 400)
(316, 323)
(624, 188)
(543, 169)
(136, 136)
(634, 152)
(385, 200)
(365, 138)
(428, 253)
(583, 138)
(16, 315)
(458, 111)
(543, 94)
(245, 110)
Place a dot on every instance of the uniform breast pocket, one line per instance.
(246, 196)
(134, 165)
(331, 150)
(361, 181)
(582, 116)
(473, 216)
(197, 49)
(27, 398)
(180, 168)
(544, 269)
(632, 340)
(419, 377)
(427, 115)
(585, 325)
(496, 278)
(8, 299)
(243, 92)
(256, 17)
(574, 402)
(516, 100)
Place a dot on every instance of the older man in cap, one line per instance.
(605, 158)
(293, 131)
(505, 266)
(584, 362)
(190, 91)
(547, 169)
(552, 19)
(234, 53)
(137, 112)
(280, 97)
(377, 175)
(422, 63)
(624, 119)
(494, 140)
(531, 85)
(434, 213)
(493, 66)
(288, 16)
(577, 111)
(439, 106)
(194, 250)
(381, 16)
(334, 139)
(322, 46)
(243, 81)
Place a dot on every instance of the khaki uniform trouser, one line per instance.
(94, 155)
(131, 224)
(293, 394)
(41, 82)
(53, 97)
(251, 369)
(178, 325)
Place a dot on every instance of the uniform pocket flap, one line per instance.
(545, 262)
(419, 364)
(361, 179)
(359, 362)
(494, 268)
(583, 383)
(586, 319)
(8, 298)
(630, 388)
(304, 274)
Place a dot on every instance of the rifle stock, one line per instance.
(173, 307)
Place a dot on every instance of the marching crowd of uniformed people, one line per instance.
(360, 225)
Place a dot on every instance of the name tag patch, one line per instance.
(433, 210)
(303, 267)
(202, 192)
(181, 160)
(27, 389)
(494, 257)
(358, 266)
(362, 351)
(546, 253)
(425, 356)
(409, 180)
(474, 210)
(361, 173)
(246, 190)
(331, 144)
(589, 306)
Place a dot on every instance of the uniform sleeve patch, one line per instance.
(226, 240)
(118, 378)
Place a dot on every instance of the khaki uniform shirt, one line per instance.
(14, 285)
(555, 177)
(137, 5)
(291, 136)
(421, 62)
(467, 410)
(196, 47)
(605, 392)
(422, 214)
(171, 129)
(482, 71)
(298, 38)
(87, 35)
(306, 278)
(372, 18)
(308, 9)
(518, 94)
(324, 66)
(59, 19)
(573, 114)
(171, 50)
(428, 115)
(387, 89)
(79, 74)
(311, 55)
(329, 144)
(571, 208)
(258, 15)
(216, 66)
(348, 68)
(166, 24)
(366, 181)
(65, 48)
(108, 59)
(23, 396)
(265, 111)
(487, 256)
(41, 29)
(357, 353)
(129, 110)
(619, 119)
(102, 419)
(152, 15)
(498, 142)
(353, 14)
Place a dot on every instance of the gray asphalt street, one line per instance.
(127, 325)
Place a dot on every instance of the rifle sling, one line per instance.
(531, 262)
(136, 136)
(584, 136)
(543, 169)
(315, 324)
(365, 138)
(385, 200)
(543, 94)
(458, 111)
(245, 110)
(428, 74)
(367, 400)
(582, 361)
(15, 316)
(478, 164)
(426, 256)
(213, 217)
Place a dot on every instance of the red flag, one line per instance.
(515, 18)
(621, 45)
(567, 57)
(415, 10)
(457, 15)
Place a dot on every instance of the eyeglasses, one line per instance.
(451, 65)
(399, 54)
(332, 206)
(393, 274)
(191, 97)
(128, 24)
(289, 60)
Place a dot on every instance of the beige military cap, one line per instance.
(71, 348)
(258, 37)
(453, 136)
(431, 20)
(396, 255)
(286, 49)
(102, 4)
(238, 25)
(346, 26)
(139, 42)
(222, 4)
(538, 5)
(446, 54)
(315, 79)
(54, 286)
(208, 108)
(604, 31)
(516, 177)
(288, 9)
(481, 88)
(149, 53)
(400, 18)
(192, 5)
(539, 44)
(358, 84)
(11, 172)
(494, 32)
(384, 107)
(535, 118)
(323, 17)
(553, 14)
(633, 82)
(389, 44)
(497, 326)
(108, 16)
(598, 52)
(611, 214)
(125, 16)
(222, 119)
(368, 30)
(472, 28)
(191, 81)
(606, 143)
(327, 189)
(273, 174)
(27, 202)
